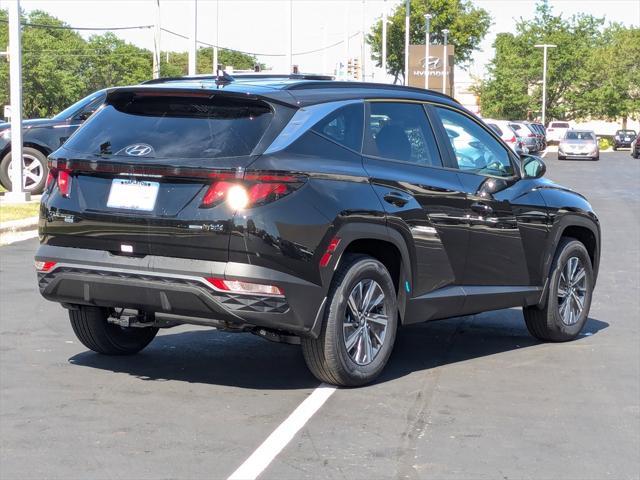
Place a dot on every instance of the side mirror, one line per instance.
(533, 167)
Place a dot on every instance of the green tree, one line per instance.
(179, 62)
(467, 27)
(53, 65)
(611, 87)
(114, 62)
(513, 86)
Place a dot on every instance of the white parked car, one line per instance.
(508, 134)
(556, 131)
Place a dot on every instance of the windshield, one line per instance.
(159, 126)
(573, 135)
(626, 132)
(559, 125)
(78, 106)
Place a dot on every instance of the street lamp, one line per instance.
(384, 39)
(544, 47)
(445, 32)
(427, 31)
(406, 41)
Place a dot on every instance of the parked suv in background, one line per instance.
(623, 139)
(40, 137)
(305, 211)
(507, 134)
(556, 131)
(529, 136)
(635, 147)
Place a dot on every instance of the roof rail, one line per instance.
(367, 85)
(225, 78)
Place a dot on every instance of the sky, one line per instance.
(260, 26)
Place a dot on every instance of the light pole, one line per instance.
(544, 47)
(193, 42)
(15, 78)
(384, 39)
(156, 43)
(445, 32)
(215, 47)
(406, 41)
(427, 31)
(290, 37)
(363, 46)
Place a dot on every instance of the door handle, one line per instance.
(395, 198)
(481, 208)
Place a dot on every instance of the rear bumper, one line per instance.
(178, 287)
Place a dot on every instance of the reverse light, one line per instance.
(64, 182)
(237, 197)
(248, 288)
(44, 267)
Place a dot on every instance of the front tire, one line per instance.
(35, 170)
(96, 333)
(569, 295)
(359, 327)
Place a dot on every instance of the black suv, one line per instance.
(623, 139)
(305, 211)
(42, 136)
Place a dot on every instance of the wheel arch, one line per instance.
(386, 245)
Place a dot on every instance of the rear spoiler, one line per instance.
(203, 91)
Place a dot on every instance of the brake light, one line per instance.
(50, 179)
(44, 267)
(512, 140)
(254, 190)
(248, 288)
(64, 182)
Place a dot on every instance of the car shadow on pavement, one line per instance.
(245, 361)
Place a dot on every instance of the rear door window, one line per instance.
(401, 131)
(344, 126)
(159, 125)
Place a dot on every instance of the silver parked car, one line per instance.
(579, 144)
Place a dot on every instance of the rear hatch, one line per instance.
(143, 175)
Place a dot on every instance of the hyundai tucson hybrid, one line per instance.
(312, 212)
(40, 137)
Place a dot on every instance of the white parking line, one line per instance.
(281, 436)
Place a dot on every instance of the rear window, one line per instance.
(626, 132)
(559, 125)
(155, 125)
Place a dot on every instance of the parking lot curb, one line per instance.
(21, 225)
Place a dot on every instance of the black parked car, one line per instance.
(623, 139)
(305, 211)
(42, 136)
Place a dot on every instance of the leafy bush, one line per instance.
(604, 143)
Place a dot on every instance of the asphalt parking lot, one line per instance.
(472, 397)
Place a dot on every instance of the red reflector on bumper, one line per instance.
(44, 266)
(247, 288)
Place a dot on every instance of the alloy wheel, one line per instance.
(365, 323)
(32, 171)
(572, 291)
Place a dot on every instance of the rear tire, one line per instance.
(38, 162)
(92, 329)
(550, 323)
(348, 351)
(560, 157)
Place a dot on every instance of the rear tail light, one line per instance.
(63, 177)
(253, 191)
(248, 288)
(512, 140)
(44, 267)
